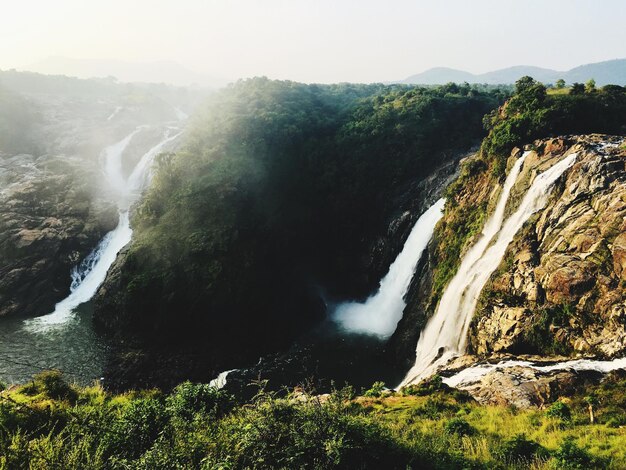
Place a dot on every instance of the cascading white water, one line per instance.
(473, 374)
(445, 334)
(115, 112)
(141, 173)
(380, 313)
(220, 381)
(90, 279)
(90, 274)
(112, 156)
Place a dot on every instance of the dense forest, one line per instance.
(18, 119)
(272, 206)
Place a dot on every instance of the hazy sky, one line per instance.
(317, 40)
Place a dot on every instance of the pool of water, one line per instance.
(74, 348)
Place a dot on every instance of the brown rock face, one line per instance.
(48, 223)
(619, 255)
(502, 330)
(524, 387)
(560, 287)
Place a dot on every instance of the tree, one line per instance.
(590, 86)
(577, 89)
(560, 84)
(529, 94)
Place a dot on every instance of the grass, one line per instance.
(196, 426)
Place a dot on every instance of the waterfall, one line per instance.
(141, 173)
(112, 156)
(445, 334)
(87, 277)
(91, 272)
(115, 112)
(380, 313)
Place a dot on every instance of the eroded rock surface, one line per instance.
(524, 387)
(560, 287)
(49, 221)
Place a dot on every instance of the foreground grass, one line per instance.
(50, 424)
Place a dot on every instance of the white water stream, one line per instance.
(473, 374)
(445, 334)
(90, 274)
(220, 381)
(380, 313)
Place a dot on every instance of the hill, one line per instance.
(164, 71)
(278, 202)
(604, 73)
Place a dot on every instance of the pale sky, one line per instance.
(316, 40)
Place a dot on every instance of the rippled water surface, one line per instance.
(73, 348)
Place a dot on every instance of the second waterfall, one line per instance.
(445, 334)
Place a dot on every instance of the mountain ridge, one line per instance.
(605, 72)
(167, 71)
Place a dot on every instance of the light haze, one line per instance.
(316, 41)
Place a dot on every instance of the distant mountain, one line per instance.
(610, 71)
(148, 72)
(440, 75)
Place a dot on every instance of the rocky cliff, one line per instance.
(561, 285)
(49, 221)
(559, 291)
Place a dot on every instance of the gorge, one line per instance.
(307, 236)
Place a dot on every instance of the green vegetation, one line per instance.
(281, 188)
(376, 390)
(531, 114)
(50, 424)
(539, 339)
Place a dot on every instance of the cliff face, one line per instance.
(561, 285)
(48, 223)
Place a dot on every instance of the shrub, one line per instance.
(52, 384)
(427, 387)
(376, 390)
(135, 429)
(560, 410)
(459, 426)
(570, 456)
(188, 399)
(279, 434)
(520, 449)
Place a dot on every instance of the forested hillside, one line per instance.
(272, 208)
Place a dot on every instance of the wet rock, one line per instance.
(524, 387)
